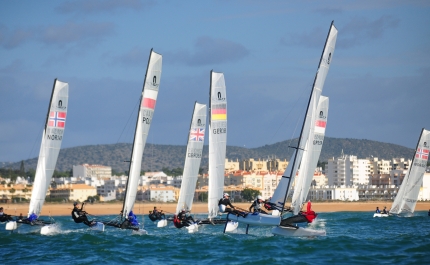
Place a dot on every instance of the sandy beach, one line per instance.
(61, 209)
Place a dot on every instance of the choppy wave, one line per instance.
(352, 237)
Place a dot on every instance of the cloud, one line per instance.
(133, 57)
(359, 30)
(89, 33)
(354, 33)
(100, 6)
(10, 39)
(210, 51)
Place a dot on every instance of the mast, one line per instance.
(299, 148)
(134, 138)
(50, 103)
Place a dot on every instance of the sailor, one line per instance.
(184, 218)
(4, 217)
(132, 219)
(385, 210)
(80, 216)
(159, 214)
(377, 210)
(257, 205)
(224, 202)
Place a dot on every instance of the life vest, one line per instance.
(176, 222)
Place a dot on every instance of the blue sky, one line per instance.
(378, 82)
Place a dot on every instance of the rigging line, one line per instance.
(125, 126)
(286, 116)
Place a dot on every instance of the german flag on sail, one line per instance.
(219, 112)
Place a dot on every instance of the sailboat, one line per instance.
(310, 158)
(196, 137)
(127, 219)
(406, 199)
(52, 137)
(279, 197)
(217, 148)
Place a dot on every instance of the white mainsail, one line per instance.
(145, 115)
(280, 195)
(196, 137)
(52, 137)
(217, 141)
(406, 199)
(311, 155)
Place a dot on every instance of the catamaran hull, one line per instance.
(297, 232)
(162, 223)
(258, 219)
(380, 215)
(192, 228)
(11, 225)
(231, 226)
(47, 229)
(99, 226)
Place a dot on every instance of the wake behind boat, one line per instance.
(52, 137)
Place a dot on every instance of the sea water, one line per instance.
(352, 238)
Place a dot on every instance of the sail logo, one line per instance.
(153, 83)
(60, 105)
(328, 59)
(322, 115)
(422, 153)
(57, 119)
(197, 134)
(219, 96)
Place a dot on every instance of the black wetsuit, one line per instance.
(5, 217)
(185, 219)
(226, 202)
(257, 207)
(79, 216)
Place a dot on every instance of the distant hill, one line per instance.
(172, 156)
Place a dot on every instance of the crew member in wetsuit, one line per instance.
(4, 217)
(79, 215)
(385, 210)
(185, 219)
(159, 214)
(257, 205)
(224, 202)
(377, 210)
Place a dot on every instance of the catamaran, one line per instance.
(196, 137)
(217, 148)
(127, 219)
(52, 137)
(406, 199)
(279, 197)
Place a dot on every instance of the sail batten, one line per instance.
(192, 158)
(52, 137)
(143, 123)
(217, 140)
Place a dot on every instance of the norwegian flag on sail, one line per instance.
(422, 153)
(197, 135)
(57, 119)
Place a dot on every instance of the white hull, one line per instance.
(162, 223)
(231, 226)
(140, 232)
(192, 228)
(258, 219)
(11, 225)
(380, 215)
(98, 227)
(293, 232)
(48, 229)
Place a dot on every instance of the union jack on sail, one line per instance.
(197, 134)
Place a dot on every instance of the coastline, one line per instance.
(64, 209)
